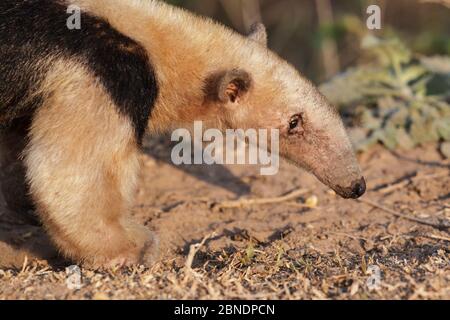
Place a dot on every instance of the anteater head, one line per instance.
(267, 92)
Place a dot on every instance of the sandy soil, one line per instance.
(280, 251)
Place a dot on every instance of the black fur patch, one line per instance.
(33, 30)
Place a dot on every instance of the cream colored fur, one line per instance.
(185, 48)
(82, 158)
(82, 165)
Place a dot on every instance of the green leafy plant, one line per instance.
(399, 100)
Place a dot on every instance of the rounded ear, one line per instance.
(258, 33)
(228, 86)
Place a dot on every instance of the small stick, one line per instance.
(194, 248)
(24, 265)
(436, 237)
(349, 236)
(438, 225)
(249, 202)
(416, 178)
(393, 187)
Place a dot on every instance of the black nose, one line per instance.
(358, 188)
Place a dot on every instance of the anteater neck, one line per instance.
(183, 48)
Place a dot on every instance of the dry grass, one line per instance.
(281, 250)
(411, 270)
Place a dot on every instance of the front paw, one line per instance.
(147, 243)
(142, 249)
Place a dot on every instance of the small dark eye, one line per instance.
(295, 122)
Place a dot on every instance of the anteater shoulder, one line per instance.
(34, 34)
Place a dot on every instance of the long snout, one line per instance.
(333, 163)
(342, 174)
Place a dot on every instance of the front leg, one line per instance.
(82, 165)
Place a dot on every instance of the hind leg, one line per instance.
(82, 165)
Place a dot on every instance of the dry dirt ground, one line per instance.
(283, 250)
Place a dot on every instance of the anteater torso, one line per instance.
(34, 34)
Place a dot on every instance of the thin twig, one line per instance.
(194, 248)
(24, 265)
(395, 186)
(261, 201)
(441, 224)
(436, 237)
(343, 234)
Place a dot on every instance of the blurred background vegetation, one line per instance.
(393, 84)
(300, 30)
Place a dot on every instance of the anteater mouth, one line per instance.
(355, 191)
